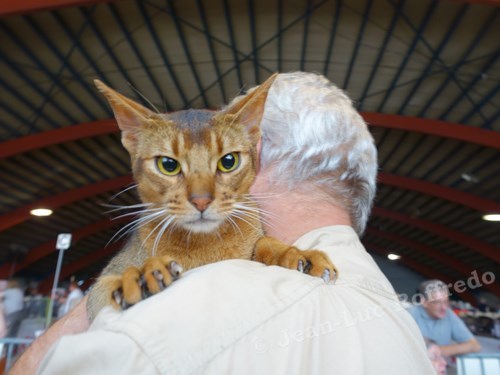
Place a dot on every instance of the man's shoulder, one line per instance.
(452, 317)
(240, 284)
(416, 311)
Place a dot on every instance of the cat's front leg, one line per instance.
(136, 284)
(271, 251)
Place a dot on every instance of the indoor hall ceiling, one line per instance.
(424, 74)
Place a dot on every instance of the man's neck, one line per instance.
(289, 215)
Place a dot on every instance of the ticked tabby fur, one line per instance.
(193, 171)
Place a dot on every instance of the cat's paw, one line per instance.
(311, 262)
(136, 284)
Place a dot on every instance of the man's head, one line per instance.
(73, 284)
(312, 136)
(435, 298)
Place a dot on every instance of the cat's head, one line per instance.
(195, 167)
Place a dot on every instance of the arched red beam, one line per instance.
(443, 192)
(53, 137)
(48, 248)
(464, 268)
(478, 246)
(464, 133)
(425, 271)
(15, 217)
(69, 269)
(11, 219)
(9, 7)
(12, 7)
(444, 129)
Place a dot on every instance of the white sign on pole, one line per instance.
(62, 244)
(63, 241)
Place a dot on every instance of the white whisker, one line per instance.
(255, 214)
(239, 215)
(123, 191)
(252, 196)
(255, 208)
(258, 213)
(166, 218)
(138, 212)
(234, 225)
(119, 207)
(144, 97)
(165, 225)
(188, 239)
(171, 228)
(135, 224)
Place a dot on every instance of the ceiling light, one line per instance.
(41, 212)
(470, 178)
(491, 217)
(393, 256)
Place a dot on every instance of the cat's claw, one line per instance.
(136, 284)
(144, 288)
(326, 273)
(175, 269)
(335, 275)
(159, 278)
(119, 300)
(300, 267)
(311, 262)
(304, 268)
(326, 276)
(118, 297)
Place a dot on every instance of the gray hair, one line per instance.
(311, 134)
(429, 287)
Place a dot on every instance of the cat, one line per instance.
(193, 170)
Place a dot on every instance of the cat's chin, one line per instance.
(202, 225)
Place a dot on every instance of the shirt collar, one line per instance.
(424, 314)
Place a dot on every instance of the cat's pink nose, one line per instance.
(201, 203)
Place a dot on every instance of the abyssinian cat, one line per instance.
(193, 170)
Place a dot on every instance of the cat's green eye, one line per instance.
(229, 162)
(168, 166)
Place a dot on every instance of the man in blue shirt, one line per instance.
(439, 323)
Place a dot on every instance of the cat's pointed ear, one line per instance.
(129, 115)
(250, 109)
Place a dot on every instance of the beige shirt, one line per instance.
(241, 317)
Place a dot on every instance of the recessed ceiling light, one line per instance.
(41, 212)
(470, 178)
(491, 217)
(393, 256)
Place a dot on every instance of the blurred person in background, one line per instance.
(34, 303)
(439, 323)
(436, 357)
(75, 295)
(59, 303)
(13, 306)
(3, 325)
